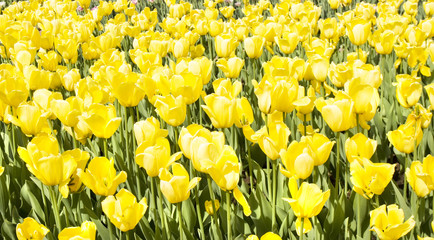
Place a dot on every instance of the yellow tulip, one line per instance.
(338, 113)
(306, 202)
(30, 119)
(68, 111)
(317, 68)
(408, 90)
(329, 28)
(272, 139)
(270, 236)
(102, 120)
(205, 148)
(148, 131)
(188, 143)
(225, 45)
(172, 109)
(187, 85)
(390, 225)
(321, 147)
(340, 73)
(370, 178)
(220, 109)
(176, 188)
(201, 66)
(42, 98)
(100, 176)
(49, 60)
(252, 237)
(366, 100)
(43, 160)
(254, 46)
(69, 79)
(216, 27)
(288, 42)
(180, 48)
(405, 137)
(227, 12)
(13, 89)
(81, 157)
(368, 74)
(419, 116)
(244, 113)
(86, 231)
(428, 167)
(209, 206)
(68, 49)
(420, 181)
(298, 160)
(383, 41)
(30, 229)
(156, 156)
(123, 210)
(126, 88)
(359, 146)
(358, 31)
(429, 8)
(230, 67)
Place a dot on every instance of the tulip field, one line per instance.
(217, 119)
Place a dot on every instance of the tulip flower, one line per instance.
(49, 60)
(172, 109)
(220, 109)
(421, 182)
(358, 31)
(102, 120)
(225, 45)
(123, 210)
(273, 139)
(253, 46)
(419, 116)
(30, 119)
(405, 137)
(86, 231)
(100, 176)
(176, 187)
(383, 41)
(187, 85)
(127, 90)
(68, 111)
(298, 160)
(68, 49)
(408, 90)
(30, 229)
(288, 42)
(187, 135)
(155, 157)
(359, 146)
(321, 147)
(69, 79)
(42, 98)
(389, 224)
(338, 113)
(230, 67)
(306, 202)
(13, 89)
(370, 178)
(329, 28)
(317, 68)
(209, 206)
(244, 113)
(148, 131)
(205, 148)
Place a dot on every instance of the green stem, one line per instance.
(269, 179)
(160, 207)
(55, 208)
(301, 229)
(45, 203)
(154, 206)
(214, 208)
(359, 217)
(110, 227)
(249, 160)
(304, 124)
(128, 235)
(338, 163)
(407, 159)
(358, 125)
(106, 148)
(228, 215)
(188, 114)
(273, 199)
(199, 213)
(178, 208)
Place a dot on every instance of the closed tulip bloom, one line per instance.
(359, 146)
(225, 45)
(389, 224)
(161, 47)
(30, 119)
(205, 148)
(306, 202)
(68, 111)
(270, 236)
(329, 28)
(176, 187)
(430, 91)
(102, 120)
(419, 116)
(209, 206)
(254, 46)
(288, 42)
(408, 90)
(216, 27)
(43, 160)
(187, 85)
(201, 66)
(370, 178)
(220, 109)
(231, 67)
(192, 132)
(338, 113)
(68, 49)
(405, 137)
(274, 139)
(69, 79)
(340, 73)
(180, 48)
(86, 231)
(321, 147)
(127, 89)
(244, 112)
(317, 68)
(100, 176)
(148, 131)
(43, 98)
(227, 12)
(225, 171)
(172, 110)
(13, 89)
(298, 160)
(358, 31)
(123, 210)
(283, 95)
(368, 74)
(383, 41)
(428, 167)
(429, 8)
(30, 229)
(49, 60)
(420, 181)
(155, 157)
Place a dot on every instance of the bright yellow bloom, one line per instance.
(270, 236)
(126, 88)
(123, 210)
(2, 169)
(153, 157)
(254, 46)
(244, 113)
(86, 231)
(317, 68)
(68, 111)
(366, 100)
(176, 188)
(419, 116)
(13, 89)
(390, 225)
(172, 109)
(68, 49)
(383, 41)
(358, 31)
(405, 137)
(306, 202)
(420, 181)
(230, 67)
(225, 45)
(102, 120)
(187, 85)
(209, 206)
(408, 90)
(49, 60)
(30, 119)
(272, 139)
(100, 176)
(43, 98)
(298, 160)
(30, 229)
(205, 148)
(148, 131)
(370, 178)
(288, 42)
(321, 147)
(359, 146)
(220, 109)
(338, 113)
